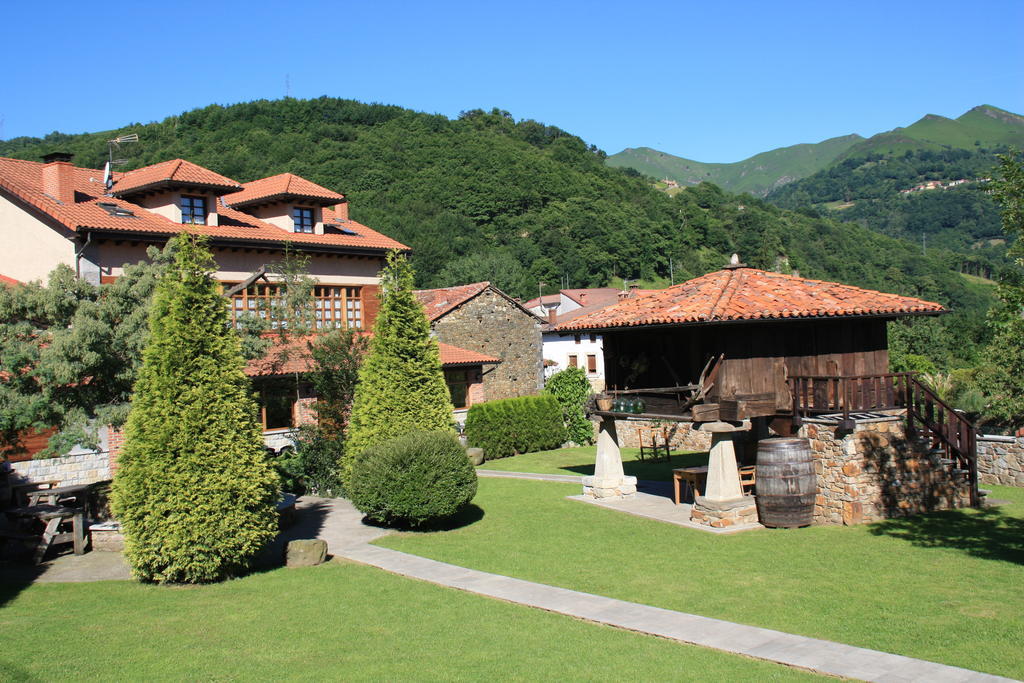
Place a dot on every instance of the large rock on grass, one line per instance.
(306, 553)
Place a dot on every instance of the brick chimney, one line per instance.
(552, 315)
(341, 210)
(58, 177)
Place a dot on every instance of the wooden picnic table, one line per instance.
(52, 516)
(52, 496)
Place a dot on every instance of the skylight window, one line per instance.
(115, 209)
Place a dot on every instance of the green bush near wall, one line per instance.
(515, 425)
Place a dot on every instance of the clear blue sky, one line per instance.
(712, 82)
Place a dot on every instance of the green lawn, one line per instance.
(581, 461)
(334, 622)
(944, 587)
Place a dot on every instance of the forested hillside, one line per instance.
(486, 197)
(877, 191)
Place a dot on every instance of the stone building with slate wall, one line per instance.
(480, 317)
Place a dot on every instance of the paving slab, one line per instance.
(822, 656)
(661, 508)
(498, 474)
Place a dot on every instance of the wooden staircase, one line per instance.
(946, 432)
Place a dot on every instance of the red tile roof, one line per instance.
(283, 358)
(280, 187)
(454, 356)
(437, 302)
(23, 179)
(293, 357)
(543, 300)
(594, 296)
(747, 294)
(8, 280)
(175, 171)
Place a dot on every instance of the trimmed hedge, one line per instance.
(413, 480)
(515, 425)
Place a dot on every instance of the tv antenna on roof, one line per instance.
(108, 180)
(116, 144)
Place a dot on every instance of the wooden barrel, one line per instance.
(786, 482)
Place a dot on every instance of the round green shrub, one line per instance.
(413, 480)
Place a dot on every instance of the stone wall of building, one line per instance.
(874, 472)
(493, 325)
(681, 435)
(1001, 460)
(69, 470)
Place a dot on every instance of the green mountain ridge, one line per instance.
(984, 126)
(758, 175)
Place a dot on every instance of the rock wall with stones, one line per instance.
(875, 472)
(1001, 460)
(85, 468)
(681, 435)
(491, 324)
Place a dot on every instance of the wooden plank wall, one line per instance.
(759, 356)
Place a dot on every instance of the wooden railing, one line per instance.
(947, 429)
(818, 395)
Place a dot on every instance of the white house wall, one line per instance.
(29, 248)
(558, 349)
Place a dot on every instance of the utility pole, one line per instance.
(671, 272)
(924, 243)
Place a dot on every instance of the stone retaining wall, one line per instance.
(682, 436)
(1001, 460)
(83, 468)
(874, 472)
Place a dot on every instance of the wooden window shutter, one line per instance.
(591, 363)
(371, 305)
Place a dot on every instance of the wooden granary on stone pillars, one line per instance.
(771, 354)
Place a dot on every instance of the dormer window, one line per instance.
(193, 210)
(303, 219)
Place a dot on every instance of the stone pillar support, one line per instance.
(609, 480)
(723, 503)
(723, 482)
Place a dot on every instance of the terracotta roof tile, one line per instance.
(593, 296)
(175, 171)
(543, 300)
(747, 294)
(282, 186)
(437, 302)
(453, 356)
(293, 357)
(8, 280)
(92, 210)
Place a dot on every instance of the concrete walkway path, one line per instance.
(498, 474)
(822, 656)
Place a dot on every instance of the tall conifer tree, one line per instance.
(194, 492)
(401, 385)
